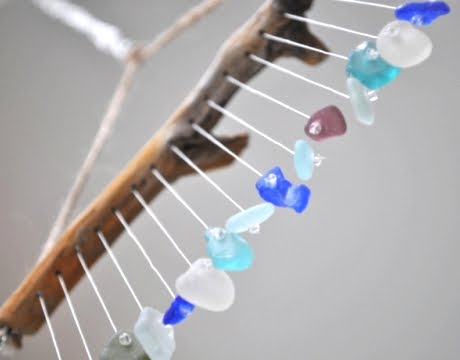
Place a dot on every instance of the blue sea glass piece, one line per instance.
(366, 65)
(178, 311)
(304, 158)
(249, 218)
(228, 251)
(156, 339)
(422, 13)
(274, 188)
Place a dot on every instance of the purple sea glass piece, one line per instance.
(274, 188)
(326, 123)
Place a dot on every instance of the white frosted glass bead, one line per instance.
(156, 339)
(206, 287)
(401, 44)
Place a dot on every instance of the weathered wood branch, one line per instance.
(21, 313)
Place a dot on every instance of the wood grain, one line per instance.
(21, 313)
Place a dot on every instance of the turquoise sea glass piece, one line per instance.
(304, 158)
(228, 251)
(360, 102)
(156, 339)
(123, 346)
(249, 218)
(366, 65)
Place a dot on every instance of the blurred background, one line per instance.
(370, 271)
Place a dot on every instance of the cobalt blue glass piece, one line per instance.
(422, 13)
(178, 311)
(274, 188)
(297, 198)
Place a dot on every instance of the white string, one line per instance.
(95, 288)
(160, 225)
(141, 248)
(291, 73)
(327, 25)
(105, 37)
(303, 46)
(184, 157)
(74, 314)
(168, 186)
(117, 265)
(227, 113)
(261, 94)
(211, 138)
(50, 327)
(368, 3)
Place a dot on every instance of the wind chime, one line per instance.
(185, 144)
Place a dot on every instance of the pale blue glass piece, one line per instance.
(156, 339)
(304, 158)
(360, 102)
(249, 218)
(228, 251)
(366, 65)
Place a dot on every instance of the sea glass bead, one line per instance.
(403, 45)
(206, 287)
(249, 218)
(178, 311)
(304, 158)
(156, 339)
(228, 251)
(326, 123)
(422, 13)
(123, 346)
(274, 188)
(366, 65)
(360, 102)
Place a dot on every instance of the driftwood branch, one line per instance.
(22, 313)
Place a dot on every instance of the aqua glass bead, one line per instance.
(206, 287)
(156, 339)
(366, 65)
(249, 218)
(360, 102)
(304, 158)
(274, 188)
(228, 251)
(178, 311)
(422, 13)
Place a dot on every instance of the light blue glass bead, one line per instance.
(360, 102)
(228, 251)
(249, 218)
(304, 157)
(366, 65)
(156, 339)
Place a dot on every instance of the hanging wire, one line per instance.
(184, 157)
(74, 314)
(303, 46)
(50, 326)
(293, 74)
(384, 6)
(211, 138)
(149, 210)
(227, 113)
(246, 87)
(327, 25)
(95, 288)
(133, 236)
(179, 198)
(117, 265)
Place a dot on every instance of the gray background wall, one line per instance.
(371, 271)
